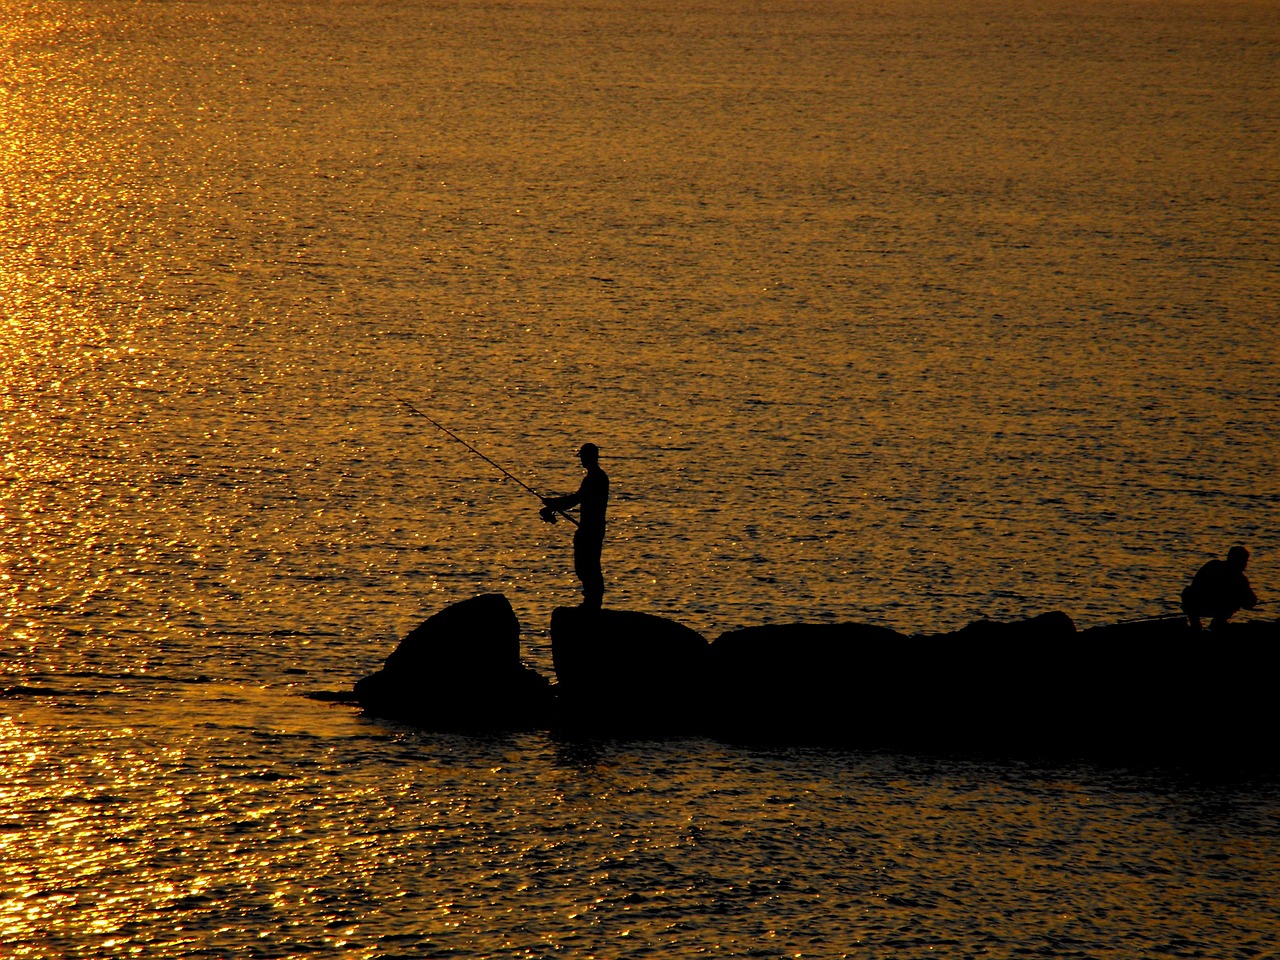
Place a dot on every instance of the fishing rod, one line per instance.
(548, 513)
(1156, 618)
(1161, 617)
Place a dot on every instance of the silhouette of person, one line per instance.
(1218, 590)
(588, 539)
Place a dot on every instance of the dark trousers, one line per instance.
(1196, 607)
(587, 546)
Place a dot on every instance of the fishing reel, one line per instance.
(549, 515)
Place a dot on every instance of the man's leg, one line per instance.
(586, 564)
(1220, 618)
(1191, 610)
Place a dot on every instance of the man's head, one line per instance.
(589, 454)
(1238, 557)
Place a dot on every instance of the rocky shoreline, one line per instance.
(1148, 690)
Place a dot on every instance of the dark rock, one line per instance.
(804, 681)
(874, 687)
(460, 669)
(1141, 691)
(623, 671)
(1158, 690)
(1018, 634)
(993, 686)
(473, 635)
(1147, 691)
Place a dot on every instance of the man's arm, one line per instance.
(565, 502)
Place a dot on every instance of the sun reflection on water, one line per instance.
(881, 323)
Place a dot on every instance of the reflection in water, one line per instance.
(348, 839)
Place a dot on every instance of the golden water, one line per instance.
(905, 313)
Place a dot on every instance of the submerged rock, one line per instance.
(620, 670)
(460, 669)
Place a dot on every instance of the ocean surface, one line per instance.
(906, 313)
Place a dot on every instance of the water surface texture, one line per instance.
(906, 313)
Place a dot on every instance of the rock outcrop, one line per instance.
(1145, 690)
(619, 670)
(813, 682)
(460, 669)
(991, 686)
(1159, 690)
(874, 687)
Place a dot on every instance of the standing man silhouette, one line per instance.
(588, 539)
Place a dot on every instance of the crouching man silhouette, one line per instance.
(1218, 590)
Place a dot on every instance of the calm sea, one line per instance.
(907, 312)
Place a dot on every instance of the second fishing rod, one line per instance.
(547, 513)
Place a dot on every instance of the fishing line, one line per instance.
(497, 466)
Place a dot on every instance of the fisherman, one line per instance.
(1218, 590)
(588, 539)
